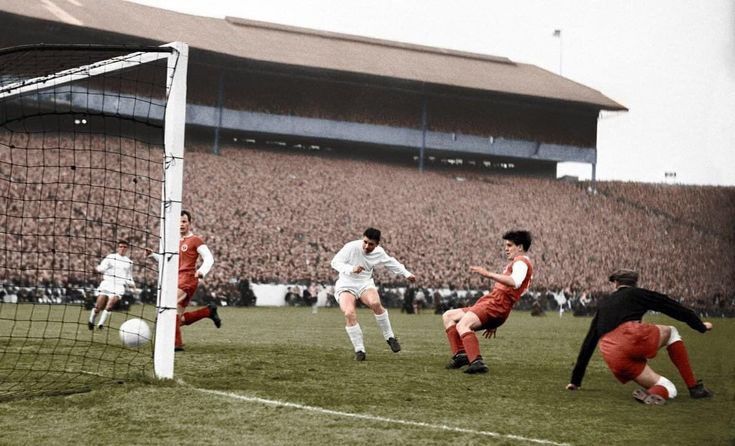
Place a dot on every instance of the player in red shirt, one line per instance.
(491, 310)
(191, 247)
(626, 343)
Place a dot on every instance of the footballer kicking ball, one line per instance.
(134, 333)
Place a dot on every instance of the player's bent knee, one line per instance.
(668, 385)
(452, 315)
(377, 308)
(351, 316)
(464, 325)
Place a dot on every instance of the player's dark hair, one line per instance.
(372, 234)
(188, 215)
(123, 242)
(624, 277)
(519, 238)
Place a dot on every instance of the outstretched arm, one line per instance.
(518, 273)
(154, 255)
(670, 307)
(500, 278)
(396, 267)
(585, 353)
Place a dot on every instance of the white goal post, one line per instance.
(171, 212)
(174, 119)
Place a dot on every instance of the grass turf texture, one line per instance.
(291, 355)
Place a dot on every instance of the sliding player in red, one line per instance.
(626, 343)
(491, 310)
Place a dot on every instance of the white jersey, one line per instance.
(352, 255)
(117, 271)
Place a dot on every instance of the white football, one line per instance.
(134, 333)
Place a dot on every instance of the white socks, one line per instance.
(384, 324)
(355, 334)
(103, 318)
(674, 336)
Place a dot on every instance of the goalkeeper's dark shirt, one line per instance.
(624, 305)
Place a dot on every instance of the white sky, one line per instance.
(671, 62)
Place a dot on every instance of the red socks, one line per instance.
(471, 345)
(192, 316)
(189, 318)
(467, 343)
(455, 343)
(179, 342)
(680, 358)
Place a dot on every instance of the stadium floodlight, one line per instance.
(91, 152)
(557, 34)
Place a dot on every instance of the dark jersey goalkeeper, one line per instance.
(626, 343)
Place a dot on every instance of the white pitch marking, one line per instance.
(380, 419)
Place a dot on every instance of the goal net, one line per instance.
(91, 153)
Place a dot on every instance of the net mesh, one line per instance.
(81, 167)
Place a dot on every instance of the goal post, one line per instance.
(171, 211)
(91, 152)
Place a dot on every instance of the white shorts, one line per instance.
(110, 288)
(354, 288)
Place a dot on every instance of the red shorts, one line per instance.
(492, 309)
(627, 349)
(187, 284)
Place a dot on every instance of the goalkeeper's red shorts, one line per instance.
(188, 284)
(628, 348)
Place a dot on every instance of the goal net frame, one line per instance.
(176, 54)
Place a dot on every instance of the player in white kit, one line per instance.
(117, 273)
(355, 263)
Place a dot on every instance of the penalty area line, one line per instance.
(379, 419)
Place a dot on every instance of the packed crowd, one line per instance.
(67, 199)
(709, 209)
(279, 216)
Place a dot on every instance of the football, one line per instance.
(134, 333)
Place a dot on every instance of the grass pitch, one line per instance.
(284, 376)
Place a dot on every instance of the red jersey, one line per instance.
(493, 309)
(188, 255)
(516, 293)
